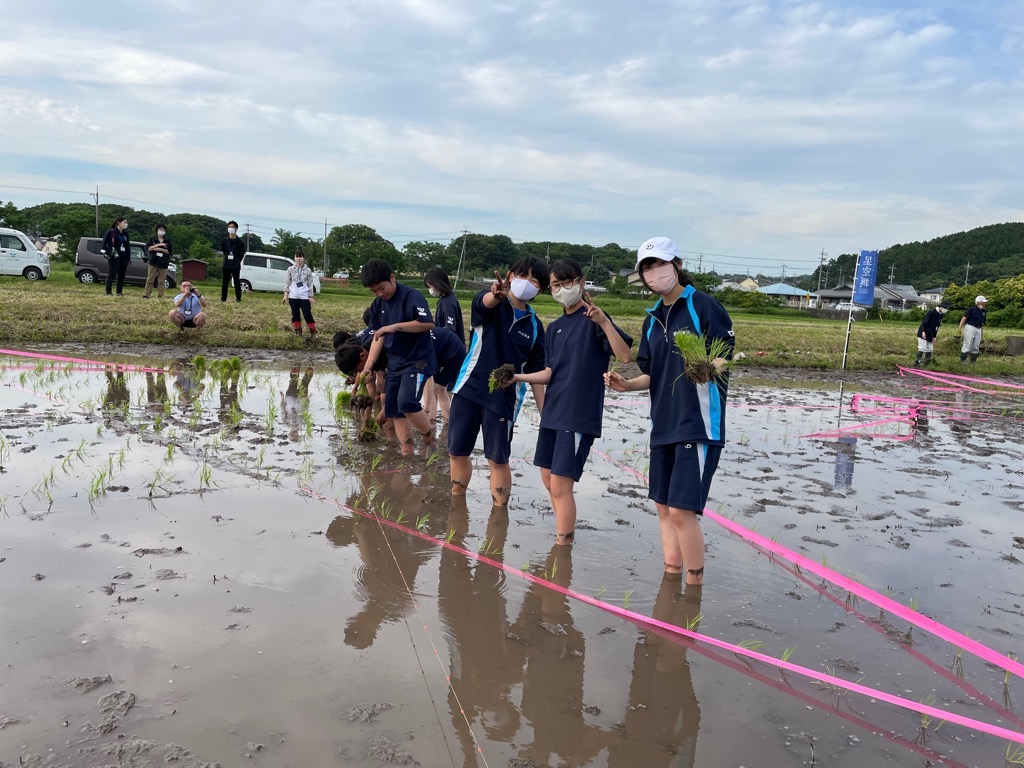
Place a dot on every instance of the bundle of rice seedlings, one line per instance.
(501, 377)
(361, 399)
(699, 355)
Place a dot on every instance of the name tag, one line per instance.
(231, 256)
(299, 284)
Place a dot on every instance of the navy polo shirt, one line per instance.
(407, 352)
(975, 316)
(448, 314)
(577, 352)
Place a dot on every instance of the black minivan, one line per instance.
(91, 264)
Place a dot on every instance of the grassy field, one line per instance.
(61, 310)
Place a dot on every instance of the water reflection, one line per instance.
(662, 718)
(295, 400)
(117, 397)
(187, 383)
(846, 450)
(156, 391)
(230, 412)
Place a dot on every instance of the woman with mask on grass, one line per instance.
(687, 418)
(578, 347)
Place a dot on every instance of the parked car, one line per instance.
(846, 306)
(340, 275)
(319, 273)
(91, 264)
(267, 272)
(593, 287)
(19, 256)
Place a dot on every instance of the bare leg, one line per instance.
(501, 483)
(403, 430)
(682, 542)
(444, 399)
(461, 472)
(563, 502)
(430, 401)
(419, 422)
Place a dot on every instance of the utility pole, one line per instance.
(247, 235)
(821, 267)
(462, 257)
(967, 280)
(96, 198)
(783, 272)
(892, 273)
(700, 262)
(325, 247)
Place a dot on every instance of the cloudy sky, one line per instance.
(759, 133)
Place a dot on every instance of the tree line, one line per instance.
(346, 247)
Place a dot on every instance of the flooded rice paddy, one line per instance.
(202, 568)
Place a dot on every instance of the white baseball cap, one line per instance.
(980, 300)
(657, 248)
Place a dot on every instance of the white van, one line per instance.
(19, 256)
(267, 272)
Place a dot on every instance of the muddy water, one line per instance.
(153, 530)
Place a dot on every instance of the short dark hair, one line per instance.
(299, 253)
(159, 226)
(435, 277)
(233, 224)
(537, 268)
(340, 338)
(566, 269)
(375, 271)
(347, 357)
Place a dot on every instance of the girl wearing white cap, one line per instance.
(687, 419)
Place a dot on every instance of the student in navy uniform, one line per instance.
(970, 328)
(505, 330)
(233, 248)
(400, 316)
(927, 332)
(578, 346)
(687, 419)
(447, 314)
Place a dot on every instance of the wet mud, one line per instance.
(206, 568)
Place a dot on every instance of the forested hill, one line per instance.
(993, 252)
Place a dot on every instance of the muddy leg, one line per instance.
(501, 483)
(461, 472)
(403, 430)
(430, 401)
(682, 542)
(564, 503)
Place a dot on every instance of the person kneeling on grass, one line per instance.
(188, 308)
(401, 317)
(687, 418)
(578, 346)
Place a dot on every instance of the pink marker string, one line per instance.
(958, 639)
(636, 618)
(840, 431)
(99, 363)
(954, 379)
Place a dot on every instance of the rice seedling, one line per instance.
(433, 458)
(489, 548)
(625, 600)
(501, 377)
(451, 535)
(693, 622)
(958, 662)
(205, 477)
(421, 522)
(1006, 684)
(169, 453)
(1014, 754)
(699, 356)
(926, 722)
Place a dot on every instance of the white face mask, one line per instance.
(567, 295)
(160, 233)
(662, 278)
(231, 230)
(433, 292)
(523, 289)
(123, 225)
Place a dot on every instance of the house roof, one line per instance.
(784, 289)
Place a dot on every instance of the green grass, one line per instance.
(62, 310)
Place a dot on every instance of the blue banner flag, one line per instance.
(864, 286)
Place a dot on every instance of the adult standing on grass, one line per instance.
(160, 250)
(118, 249)
(970, 328)
(401, 317)
(927, 332)
(233, 249)
(687, 418)
(189, 306)
(298, 292)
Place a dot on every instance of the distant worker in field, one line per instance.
(189, 308)
(233, 248)
(927, 332)
(117, 247)
(298, 292)
(970, 328)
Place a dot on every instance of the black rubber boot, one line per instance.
(963, 357)
(927, 358)
(917, 360)
(974, 358)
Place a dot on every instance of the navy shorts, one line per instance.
(562, 452)
(681, 474)
(467, 420)
(402, 393)
(446, 377)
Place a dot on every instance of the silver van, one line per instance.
(91, 264)
(19, 256)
